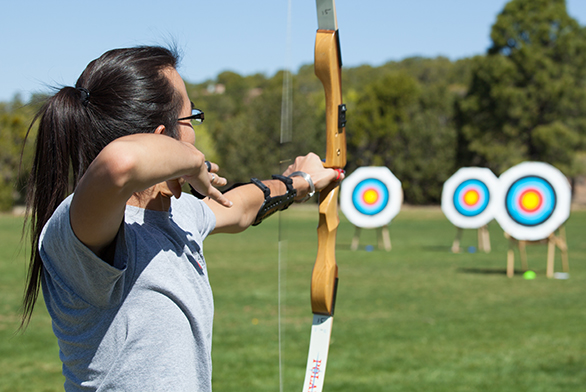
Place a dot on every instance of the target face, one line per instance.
(530, 200)
(535, 198)
(371, 197)
(471, 197)
(468, 197)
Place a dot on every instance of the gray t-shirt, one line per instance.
(143, 323)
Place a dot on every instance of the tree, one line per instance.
(405, 125)
(15, 119)
(383, 107)
(244, 121)
(527, 96)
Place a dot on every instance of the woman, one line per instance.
(120, 260)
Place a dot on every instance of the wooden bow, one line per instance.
(324, 279)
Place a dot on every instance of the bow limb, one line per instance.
(324, 277)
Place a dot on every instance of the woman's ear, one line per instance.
(160, 130)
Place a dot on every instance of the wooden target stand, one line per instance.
(483, 239)
(555, 239)
(382, 235)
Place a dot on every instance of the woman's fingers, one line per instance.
(212, 167)
(205, 180)
(216, 180)
(313, 166)
(218, 197)
(208, 190)
(325, 177)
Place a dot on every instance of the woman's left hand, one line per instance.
(313, 166)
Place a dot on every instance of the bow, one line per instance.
(324, 279)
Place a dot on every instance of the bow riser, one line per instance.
(328, 71)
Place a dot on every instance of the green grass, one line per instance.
(418, 318)
(29, 361)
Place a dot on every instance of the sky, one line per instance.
(49, 43)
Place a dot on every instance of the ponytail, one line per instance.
(120, 93)
(57, 160)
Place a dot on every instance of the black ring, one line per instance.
(209, 165)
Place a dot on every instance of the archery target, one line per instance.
(468, 197)
(371, 197)
(534, 199)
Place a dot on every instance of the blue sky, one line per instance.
(48, 43)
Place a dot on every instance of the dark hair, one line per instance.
(124, 91)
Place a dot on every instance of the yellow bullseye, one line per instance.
(370, 196)
(530, 200)
(471, 197)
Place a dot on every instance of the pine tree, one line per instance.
(527, 96)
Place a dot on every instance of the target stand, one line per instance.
(382, 235)
(534, 201)
(555, 240)
(468, 202)
(483, 239)
(370, 198)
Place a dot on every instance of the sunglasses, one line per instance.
(196, 116)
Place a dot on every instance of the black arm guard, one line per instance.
(277, 203)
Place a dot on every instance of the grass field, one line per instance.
(418, 318)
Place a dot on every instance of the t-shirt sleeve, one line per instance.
(194, 212)
(209, 221)
(76, 268)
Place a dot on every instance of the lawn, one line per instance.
(418, 318)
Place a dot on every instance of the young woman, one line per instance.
(120, 260)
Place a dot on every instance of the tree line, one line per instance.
(524, 99)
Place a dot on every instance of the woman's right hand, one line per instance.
(203, 181)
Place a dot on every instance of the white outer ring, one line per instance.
(482, 174)
(391, 210)
(560, 214)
